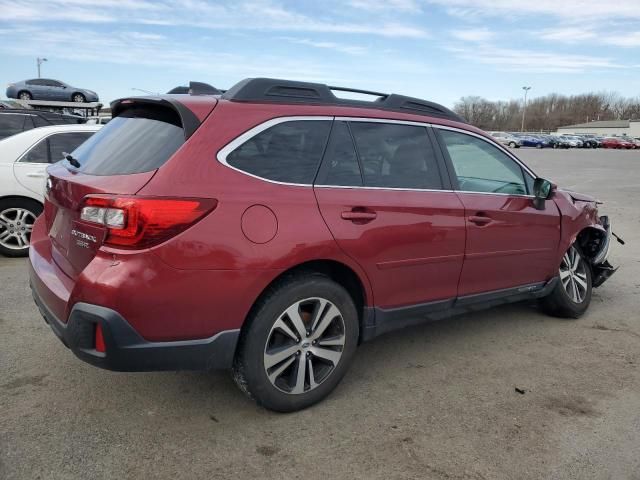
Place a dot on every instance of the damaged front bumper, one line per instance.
(600, 265)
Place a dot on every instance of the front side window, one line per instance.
(288, 152)
(481, 167)
(396, 156)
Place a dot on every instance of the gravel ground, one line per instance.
(437, 401)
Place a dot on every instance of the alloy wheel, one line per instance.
(78, 98)
(573, 275)
(304, 345)
(15, 228)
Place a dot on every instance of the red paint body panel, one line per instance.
(412, 251)
(205, 279)
(517, 247)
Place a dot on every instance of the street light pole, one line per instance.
(40, 61)
(524, 106)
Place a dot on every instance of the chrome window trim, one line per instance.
(235, 143)
(383, 120)
(252, 132)
(384, 188)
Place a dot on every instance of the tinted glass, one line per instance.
(65, 142)
(140, 140)
(481, 167)
(396, 156)
(37, 81)
(40, 121)
(340, 166)
(10, 124)
(39, 153)
(288, 152)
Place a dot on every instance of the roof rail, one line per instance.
(289, 91)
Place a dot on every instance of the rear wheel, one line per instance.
(24, 95)
(298, 344)
(16, 222)
(512, 144)
(572, 295)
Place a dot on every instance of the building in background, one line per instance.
(616, 128)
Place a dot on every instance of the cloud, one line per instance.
(567, 9)
(259, 15)
(533, 61)
(333, 46)
(388, 5)
(473, 35)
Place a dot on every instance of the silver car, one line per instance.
(48, 89)
(507, 139)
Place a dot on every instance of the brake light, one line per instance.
(139, 222)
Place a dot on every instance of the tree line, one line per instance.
(547, 113)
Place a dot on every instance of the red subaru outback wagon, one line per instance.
(273, 228)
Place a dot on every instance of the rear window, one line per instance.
(139, 140)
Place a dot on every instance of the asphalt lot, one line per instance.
(436, 401)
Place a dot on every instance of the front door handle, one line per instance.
(35, 175)
(359, 215)
(480, 219)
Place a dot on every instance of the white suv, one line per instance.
(23, 160)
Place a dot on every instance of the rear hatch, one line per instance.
(117, 161)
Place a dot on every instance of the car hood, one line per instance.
(581, 197)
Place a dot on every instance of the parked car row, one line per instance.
(540, 140)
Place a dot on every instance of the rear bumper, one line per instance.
(127, 351)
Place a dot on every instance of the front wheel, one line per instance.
(78, 98)
(572, 295)
(298, 344)
(512, 144)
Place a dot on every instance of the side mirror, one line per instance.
(542, 190)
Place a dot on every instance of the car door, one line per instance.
(510, 243)
(382, 195)
(30, 169)
(38, 89)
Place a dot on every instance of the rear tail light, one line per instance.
(140, 222)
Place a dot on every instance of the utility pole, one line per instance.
(40, 61)
(524, 106)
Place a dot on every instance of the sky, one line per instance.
(439, 50)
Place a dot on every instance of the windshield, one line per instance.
(139, 140)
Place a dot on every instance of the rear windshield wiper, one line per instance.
(71, 160)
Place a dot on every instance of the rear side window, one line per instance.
(139, 140)
(396, 156)
(38, 153)
(65, 142)
(10, 124)
(340, 166)
(288, 152)
(50, 149)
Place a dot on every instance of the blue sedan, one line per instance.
(531, 141)
(47, 89)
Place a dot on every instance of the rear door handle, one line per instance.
(355, 215)
(480, 219)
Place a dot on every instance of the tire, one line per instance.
(538, 145)
(276, 382)
(16, 222)
(78, 98)
(24, 95)
(564, 301)
(512, 144)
